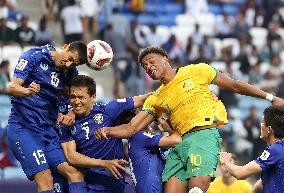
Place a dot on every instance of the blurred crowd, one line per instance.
(243, 38)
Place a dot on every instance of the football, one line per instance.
(100, 55)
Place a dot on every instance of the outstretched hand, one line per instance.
(33, 88)
(164, 125)
(101, 133)
(225, 157)
(114, 165)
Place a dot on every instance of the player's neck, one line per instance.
(274, 140)
(228, 180)
(169, 76)
(53, 56)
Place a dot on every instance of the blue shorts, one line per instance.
(36, 151)
(101, 181)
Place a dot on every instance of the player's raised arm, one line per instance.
(245, 89)
(15, 88)
(137, 123)
(239, 172)
(77, 159)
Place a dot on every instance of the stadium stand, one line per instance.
(232, 55)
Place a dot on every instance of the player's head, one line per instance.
(73, 54)
(154, 60)
(272, 124)
(126, 117)
(82, 94)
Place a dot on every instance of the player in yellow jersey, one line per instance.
(226, 183)
(185, 98)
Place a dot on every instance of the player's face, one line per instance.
(225, 172)
(67, 59)
(264, 131)
(81, 101)
(154, 65)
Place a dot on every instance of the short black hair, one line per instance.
(81, 48)
(84, 81)
(274, 117)
(126, 117)
(4, 63)
(151, 50)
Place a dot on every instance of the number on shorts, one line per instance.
(196, 159)
(39, 156)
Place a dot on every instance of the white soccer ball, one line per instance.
(100, 55)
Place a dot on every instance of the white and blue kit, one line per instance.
(146, 162)
(102, 115)
(271, 162)
(31, 134)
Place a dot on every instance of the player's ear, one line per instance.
(93, 98)
(270, 130)
(166, 59)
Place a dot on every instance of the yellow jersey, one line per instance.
(187, 99)
(238, 186)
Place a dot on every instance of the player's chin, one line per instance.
(78, 112)
(154, 76)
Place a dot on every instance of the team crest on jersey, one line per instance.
(187, 83)
(148, 134)
(22, 64)
(73, 130)
(265, 155)
(98, 118)
(62, 108)
(43, 66)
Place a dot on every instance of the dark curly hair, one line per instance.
(274, 117)
(84, 81)
(151, 50)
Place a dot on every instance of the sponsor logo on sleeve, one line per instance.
(265, 155)
(121, 100)
(99, 118)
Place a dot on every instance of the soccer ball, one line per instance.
(100, 55)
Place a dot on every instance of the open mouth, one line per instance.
(153, 72)
(78, 108)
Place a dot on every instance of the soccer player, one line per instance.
(39, 77)
(270, 163)
(226, 183)
(184, 95)
(104, 158)
(146, 155)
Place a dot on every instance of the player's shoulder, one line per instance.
(38, 52)
(137, 135)
(194, 66)
(276, 147)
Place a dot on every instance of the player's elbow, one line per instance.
(10, 88)
(71, 159)
(131, 130)
(177, 139)
(236, 86)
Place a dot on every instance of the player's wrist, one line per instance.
(269, 97)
